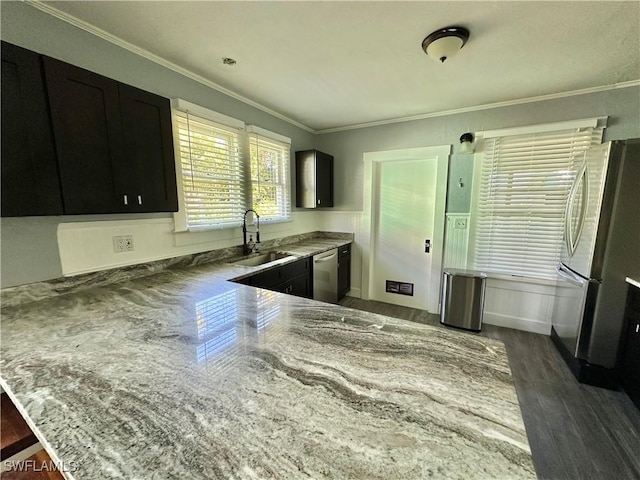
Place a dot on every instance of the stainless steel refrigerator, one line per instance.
(601, 248)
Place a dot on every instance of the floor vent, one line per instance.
(401, 288)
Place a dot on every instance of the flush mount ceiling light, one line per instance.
(444, 43)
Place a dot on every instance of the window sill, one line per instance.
(520, 279)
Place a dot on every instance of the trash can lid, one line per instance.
(464, 273)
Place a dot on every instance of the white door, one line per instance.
(408, 195)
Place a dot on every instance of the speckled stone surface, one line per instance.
(40, 290)
(185, 375)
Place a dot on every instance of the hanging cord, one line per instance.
(193, 186)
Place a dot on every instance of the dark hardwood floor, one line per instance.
(576, 431)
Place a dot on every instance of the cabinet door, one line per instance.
(299, 286)
(630, 370)
(30, 184)
(85, 113)
(150, 166)
(268, 279)
(314, 179)
(344, 274)
(324, 180)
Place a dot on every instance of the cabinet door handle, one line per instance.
(638, 328)
(139, 199)
(126, 200)
(318, 201)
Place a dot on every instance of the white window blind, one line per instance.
(270, 182)
(520, 207)
(211, 169)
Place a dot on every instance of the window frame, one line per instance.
(534, 268)
(181, 109)
(278, 141)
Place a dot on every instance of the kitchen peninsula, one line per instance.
(184, 374)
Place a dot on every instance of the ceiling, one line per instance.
(327, 65)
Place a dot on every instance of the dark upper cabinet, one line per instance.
(30, 183)
(314, 179)
(85, 113)
(148, 141)
(113, 141)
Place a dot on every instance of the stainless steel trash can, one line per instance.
(463, 298)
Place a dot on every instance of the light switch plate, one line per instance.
(461, 223)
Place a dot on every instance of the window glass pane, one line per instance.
(270, 186)
(212, 172)
(520, 209)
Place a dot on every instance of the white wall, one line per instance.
(622, 106)
(515, 304)
(88, 246)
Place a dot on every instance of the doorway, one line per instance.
(404, 204)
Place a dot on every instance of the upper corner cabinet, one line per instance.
(314, 179)
(30, 184)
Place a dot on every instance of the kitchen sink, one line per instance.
(260, 259)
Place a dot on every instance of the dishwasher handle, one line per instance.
(324, 259)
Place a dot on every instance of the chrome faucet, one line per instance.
(250, 246)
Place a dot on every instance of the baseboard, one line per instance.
(354, 292)
(525, 324)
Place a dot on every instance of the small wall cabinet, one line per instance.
(314, 179)
(630, 358)
(344, 270)
(30, 184)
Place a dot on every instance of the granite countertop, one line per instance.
(183, 374)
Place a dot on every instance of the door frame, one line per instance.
(372, 167)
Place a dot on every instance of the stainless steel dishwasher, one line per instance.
(325, 276)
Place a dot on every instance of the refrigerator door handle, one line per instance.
(570, 276)
(572, 241)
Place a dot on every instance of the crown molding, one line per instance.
(98, 32)
(47, 8)
(487, 106)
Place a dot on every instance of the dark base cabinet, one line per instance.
(30, 183)
(292, 278)
(630, 358)
(344, 270)
(299, 286)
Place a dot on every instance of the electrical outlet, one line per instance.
(123, 243)
(461, 223)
